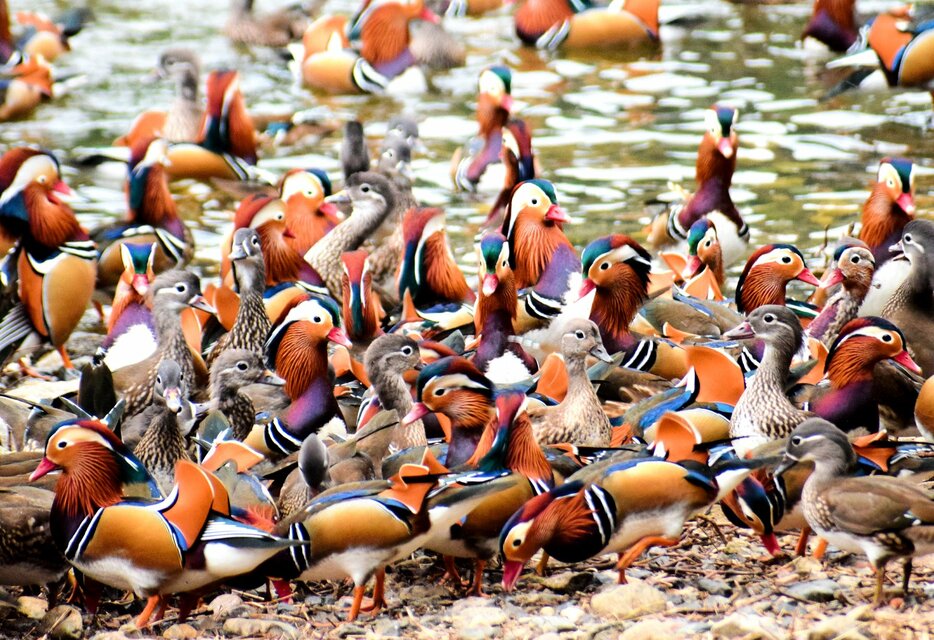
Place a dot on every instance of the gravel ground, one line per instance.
(702, 588)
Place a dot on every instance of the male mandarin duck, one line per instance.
(388, 359)
(494, 103)
(616, 506)
(533, 227)
(131, 308)
(251, 326)
(852, 400)
(152, 217)
(553, 24)
(276, 29)
(428, 272)
(520, 163)
(764, 412)
(881, 517)
(42, 35)
(704, 253)
(361, 308)
(29, 83)
(911, 307)
(767, 272)
(226, 145)
(189, 542)
(55, 255)
(511, 446)
(716, 162)
(308, 215)
(455, 388)
(852, 267)
(182, 121)
(579, 419)
(297, 347)
(833, 23)
(890, 206)
(498, 353)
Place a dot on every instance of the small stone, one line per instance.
(569, 581)
(480, 632)
(547, 611)
(573, 614)
(226, 605)
(714, 587)
(350, 630)
(64, 621)
(181, 632)
(815, 590)
(651, 630)
(740, 626)
(834, 628)
(34, 608)
(628, 600)
(805, 565)
(385, 628)
(259, 627)
(479, 616)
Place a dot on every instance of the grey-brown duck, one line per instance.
(387, 359)
(232, 371)
(163, 444)
(852, 268)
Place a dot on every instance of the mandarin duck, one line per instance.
(131, 308)
(388, 358)
(716, 162)
(911, 307)
(554, 24)
(428, 273)
(455, 388)
(853, 398)
(226, 144)
(621, 505)
(171, 293)
(494, 103)
(518, 158)
(163, 444)
(152, 217)
(853, 267)
(28, 554)
(43, 35)
(373, 199)
(29, 83)
(890, 206)
(579, 419)
(169, 394)
(189, 540)
(881, 517)
(308, 215)
(764, 412)
(232, 372)
(54, 255)
(310, 477)
(182, 121)
(767, 272)
(833, 23)
(297, 347)
(276, 29)
(704, 252)
(360, 304)
(252, 325)
(533, 227)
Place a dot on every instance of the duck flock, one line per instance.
(344, 396)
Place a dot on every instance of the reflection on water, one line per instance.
(610, 132)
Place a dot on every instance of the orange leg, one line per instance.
(451, 574)
(476, 589)
(820, 549)
(379, 593)
(801, 549)
(29, 371)
(143, 620)
(542, 564)
(357, 601)
(638, 549)
(100, 311)
(65, 358)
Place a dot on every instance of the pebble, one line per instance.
(651, 630)
(805, 565)
(226, 605)
(815, 590)
(568, 581)
(181, 632)
(573, 613)
(34, 608)
(479, 616)
(260, 627)
(714, 587)
(741, 626)
(833, 628)
(628, 600)
(346, 630)
(480, 632)
(64, 621)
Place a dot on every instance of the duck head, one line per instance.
(497, 280)
(183, 66)
(307, 212)
(536, 200)
(704, 250)
(767, 272)
(582, 338)
(776, 325)
(169, 385)
(454, 387)
(246, 257)
(238, 368)
(391, 354)
(137, 266)
(853, 266)
(720, 132)
(174, 290)
(30, 197)
(267, 216)
(862, 343)
(917, 244)
(494, 88)
(818, 441)
(149, 200)
(896, 178)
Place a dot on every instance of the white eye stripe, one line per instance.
(777, 255)
(869, 332)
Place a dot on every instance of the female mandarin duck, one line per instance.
(519, 160)
(231, 375)
(388, 359)
(56, 261)
(494, 103)
(833, 23)
(297, 347)
(131, 308)
(182, 121)
(890, 206)
(550, 24)
(276, 29)
(307, 213)
(190, 540)
(579, 419)
(853, 267)
(533, 227)
(428, 272)
(851, 402)
(162, 443)
(766, 274)
(30, 83)
(615, 506)
(361, 308)
(226, 146)
(152, 217)
(884, 518)
(498, 354)
(455, 388)
(716, 162)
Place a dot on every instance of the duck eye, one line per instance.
(787, 259)
(406, 351)
(604, 266)
(887, 337)
(62, 444)
(907, 237)
(316, 319)
(439, 392)
(255, 241)
(768, 317)
(389, 153)
(579, 334)
(181, 288)
(41, 179)
(517, 542)
(855, 259)
(534, 202)
(242, 366)
(796, 441)
(158, 379)
(890, 182)
(365, 188)
(707, 243)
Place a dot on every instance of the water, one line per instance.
(610, 131)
